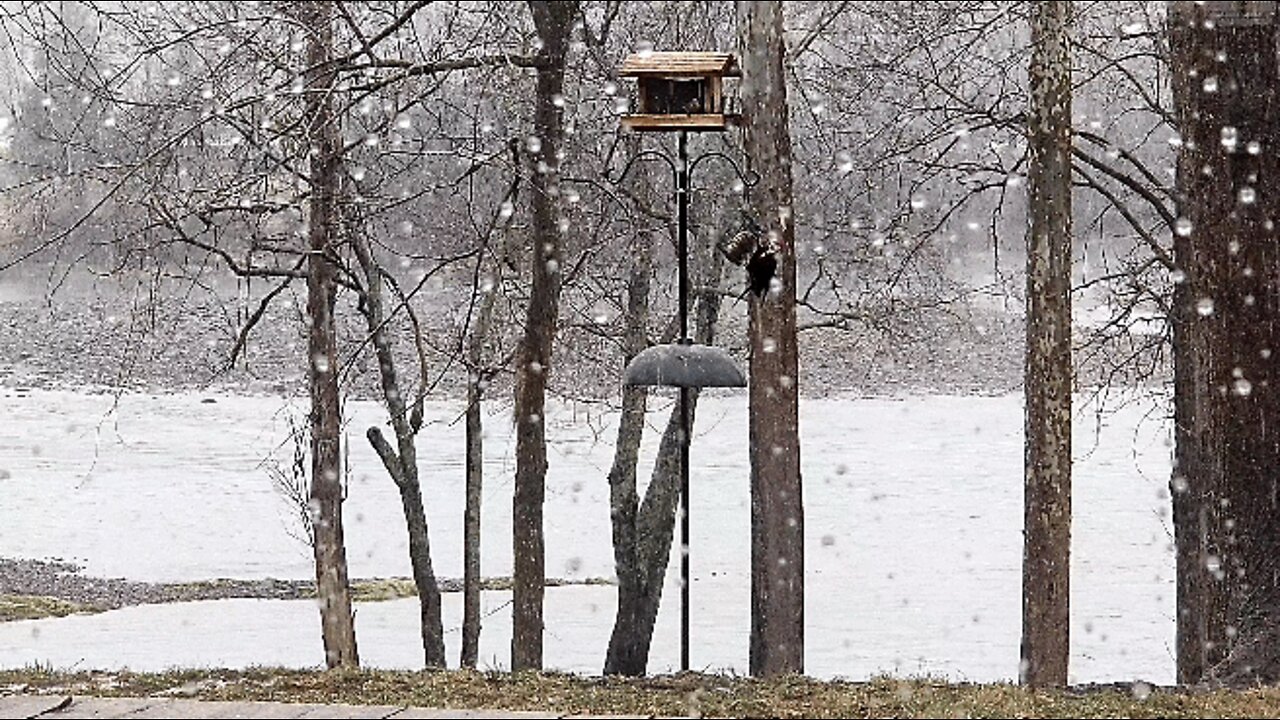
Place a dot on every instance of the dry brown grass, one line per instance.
(31, 607)
(680, 695)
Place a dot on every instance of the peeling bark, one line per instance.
(1046, 555)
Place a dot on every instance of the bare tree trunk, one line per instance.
(478, 379)
(554, 22)
(470, 652)
(401, 462)
(643, 531)
(1226, 519)
(651, 534)
(777, 508)
(628, 652)
(1046, 554)
(324, 139)
(1195, 654)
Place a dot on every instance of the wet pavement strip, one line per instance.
(64, 706)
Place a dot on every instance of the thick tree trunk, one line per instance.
(332, 587)
(554, 22)
(1194, 626)
(777, 509)
(1227, 519)
(1193, 657)
(1046, 555)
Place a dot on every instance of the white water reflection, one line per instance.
(913, 531)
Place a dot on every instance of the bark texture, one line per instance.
(469, 654)
(325, 142)
(1046, 554)
(554, 23)
(1226, 485)
(401, 461)
(628, 652)
(643, 531)
(777, 509)
(479, 372)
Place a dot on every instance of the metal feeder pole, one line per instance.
(682, 250)
(683, 363)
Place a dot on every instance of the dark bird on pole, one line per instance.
(760, 269)
(751, 248)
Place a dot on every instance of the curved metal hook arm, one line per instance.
(644, 155)
(749, 178)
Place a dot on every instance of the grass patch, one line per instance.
(202, 588)
(380, 589)
(685, 694)
(34, 607)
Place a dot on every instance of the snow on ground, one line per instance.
(913, 517)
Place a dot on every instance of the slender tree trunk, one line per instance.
(477, 382)
(554, 22)
(777, 508)
(1227, 488)
(1046, 554)
(324, 139)
(628, 652)
(401, 462)
(640, 587)
(424, 577)
(470, 652)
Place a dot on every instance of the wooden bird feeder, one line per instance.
(680, 90)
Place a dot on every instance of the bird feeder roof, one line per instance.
(680, 64)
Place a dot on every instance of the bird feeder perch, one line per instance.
(680, 90)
